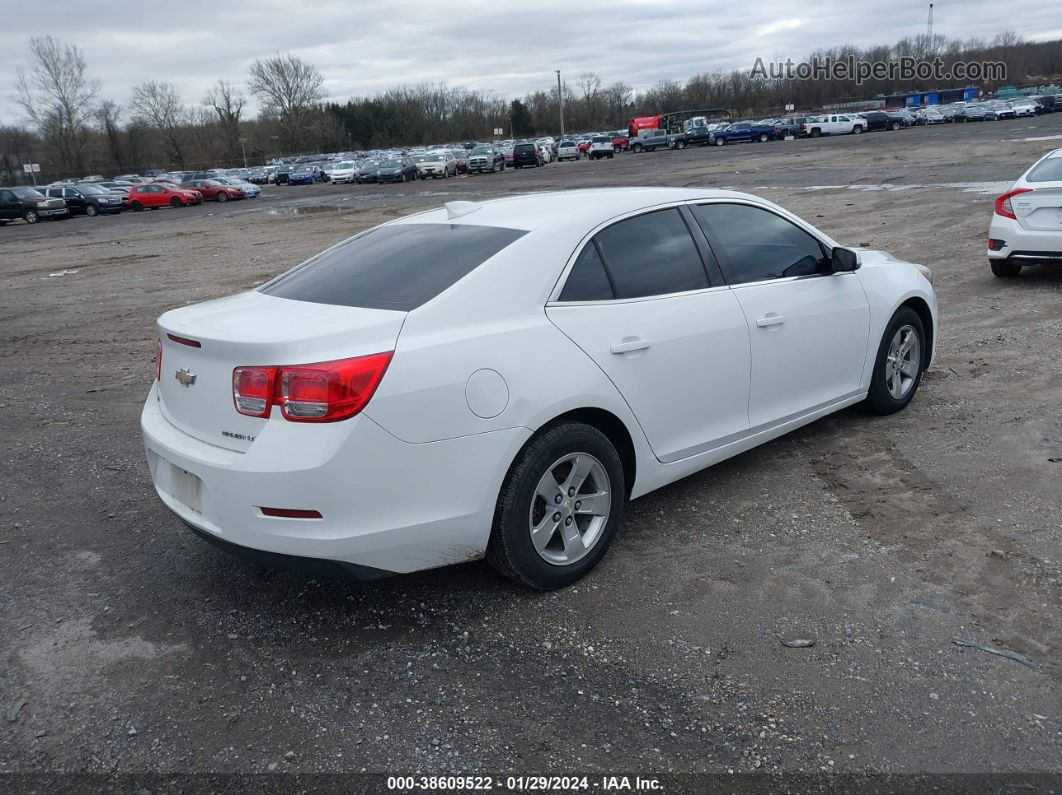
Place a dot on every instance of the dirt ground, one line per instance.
(133, 647)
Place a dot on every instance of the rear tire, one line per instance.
(815, 133)
(1004, 269)
(554, 458)
(720, 141)
(136, 206)
(899, 364)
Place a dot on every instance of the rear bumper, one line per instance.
(1024, 245)
(385, 504)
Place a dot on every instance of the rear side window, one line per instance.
(393, 267)
(588, 280)
(1049, 170)
(651, 254)
(758, 244)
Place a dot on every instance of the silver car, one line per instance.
(437, 164)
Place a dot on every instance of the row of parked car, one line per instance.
(94, 196)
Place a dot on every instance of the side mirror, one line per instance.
(843, 260)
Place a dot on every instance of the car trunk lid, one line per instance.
(202, 344)
(1040, 209)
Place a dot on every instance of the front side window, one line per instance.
(393, 267)
(758, 244)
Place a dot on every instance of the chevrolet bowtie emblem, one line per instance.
(185, 377)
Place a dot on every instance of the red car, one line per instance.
(212, 189)
(584, 147)
(161, 194)
(620, 142)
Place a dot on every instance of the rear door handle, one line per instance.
(770, 319)
(629, 344)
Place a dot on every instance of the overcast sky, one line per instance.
(503, 46)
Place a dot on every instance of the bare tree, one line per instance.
(590, 85)
(57, 96)
(108, 119)
(227, 102)
(159, 105)
(289, 88)
(617, 99)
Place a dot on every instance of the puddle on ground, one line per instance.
(892, 187)
(312, 210)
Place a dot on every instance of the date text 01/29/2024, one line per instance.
(522, 783)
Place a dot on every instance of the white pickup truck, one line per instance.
(836, 124)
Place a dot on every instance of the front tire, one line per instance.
(1005, 269)
(763, 138)
(91, 211)
(559, 508)
(31, 216)
(899, 364)
(223, 197)
(176, 202)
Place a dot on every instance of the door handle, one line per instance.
(770, 319)
(629, 345)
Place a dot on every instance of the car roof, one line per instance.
(592, 206)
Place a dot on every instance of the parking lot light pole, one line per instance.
(243, 149)
(560, 101)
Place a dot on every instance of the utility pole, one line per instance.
(244, 150)
(560, 101)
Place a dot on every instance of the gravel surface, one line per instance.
(794, 609)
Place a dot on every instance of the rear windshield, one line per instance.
(1049, 170)
(524, 148)
(393, 267)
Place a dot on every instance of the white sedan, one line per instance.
(343, 172)
(1026, 227)
(497, 379)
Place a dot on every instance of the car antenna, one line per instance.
(457, 209)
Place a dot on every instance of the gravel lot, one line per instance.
(137, 648)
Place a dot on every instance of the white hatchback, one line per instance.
(497, 379)
(1026, 226)
(567, 150)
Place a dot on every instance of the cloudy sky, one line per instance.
(504, 46)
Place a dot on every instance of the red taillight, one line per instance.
(252, 390)
(1003, 206)
(185, 341)
(321, 392)
(291, 513)
(158, 361)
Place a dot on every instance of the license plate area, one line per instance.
(185, 488)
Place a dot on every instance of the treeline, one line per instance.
(71, 130)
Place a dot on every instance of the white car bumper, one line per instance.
(1022, 245)
(386, 505)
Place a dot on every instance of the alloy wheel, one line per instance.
(903, 361)
(570, 508)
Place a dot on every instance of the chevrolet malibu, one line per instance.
(498, 379)
(1026, 226)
